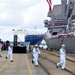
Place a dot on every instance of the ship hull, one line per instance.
(34, 39)
(61, 26)
(55, 43)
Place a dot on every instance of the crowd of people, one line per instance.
(2, 47)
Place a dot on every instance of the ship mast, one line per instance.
(70, 8)
(64, 6)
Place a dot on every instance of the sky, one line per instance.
(24, 16)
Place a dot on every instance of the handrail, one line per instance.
(66, 34)
(59, 26)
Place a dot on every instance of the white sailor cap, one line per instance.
(63, 45)
(36, 45)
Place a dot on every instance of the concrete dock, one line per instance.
(21, 65)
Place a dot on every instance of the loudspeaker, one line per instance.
(15, 40)
(19, 50)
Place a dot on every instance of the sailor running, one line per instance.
(0, 46)
(62, 57)
(10, 52)
(36, 53)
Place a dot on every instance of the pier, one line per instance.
(22, 64)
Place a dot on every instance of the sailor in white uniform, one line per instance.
(36, 53)
(62, 57)
(0, 49)
(10, 52)
(0, 46)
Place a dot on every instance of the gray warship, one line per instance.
(61, 26)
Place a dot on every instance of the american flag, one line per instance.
(49, 3)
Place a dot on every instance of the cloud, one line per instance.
(35, 15)
(19, 12)
(22, 14)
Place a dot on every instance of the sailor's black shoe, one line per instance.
(0, 56)
(56, 66)
(32, 61)
(11, 60)
(36, 65)
(6, 57)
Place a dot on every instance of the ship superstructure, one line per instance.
(61, 27)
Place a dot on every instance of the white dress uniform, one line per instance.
(36, 53)
(62, 58)
(0, 46)
(10, 53)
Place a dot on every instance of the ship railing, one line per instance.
(63, 26)
(63, 35)
(58, 20)
(54, 36)
(72, 21)
(66, 34)
(72, 25)
(50, 22)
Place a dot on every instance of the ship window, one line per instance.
(59, 23)
(73, 17)
(54, 33)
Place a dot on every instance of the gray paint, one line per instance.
(63, 11)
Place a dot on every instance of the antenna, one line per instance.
(35, 29)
